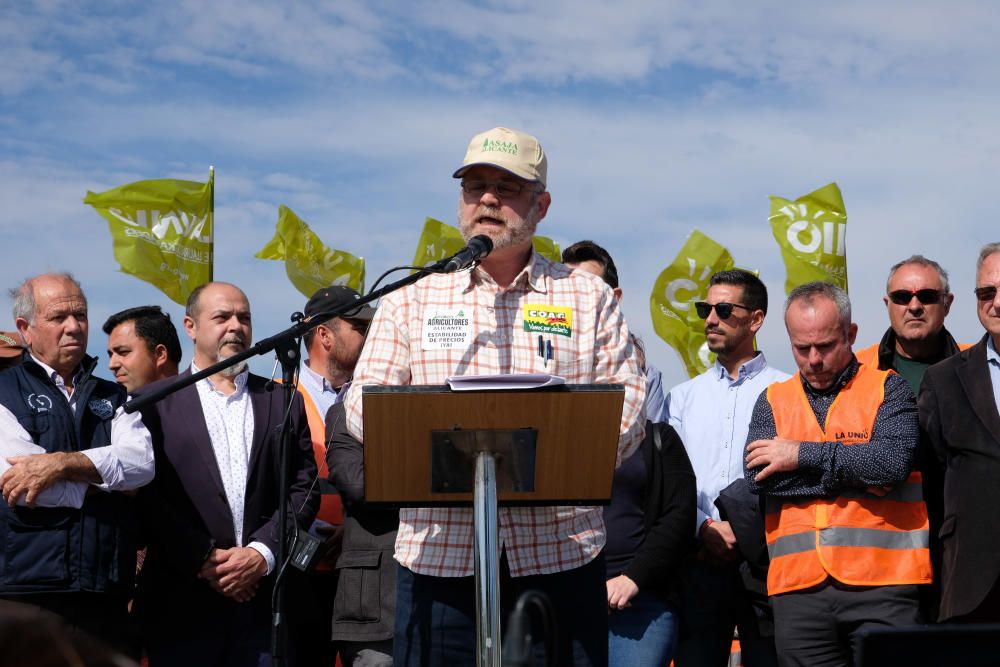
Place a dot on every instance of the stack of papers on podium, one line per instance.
(495, 382)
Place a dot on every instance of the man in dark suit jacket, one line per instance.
(959, 412)
(211, 513)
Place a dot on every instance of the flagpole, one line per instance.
(211, 212)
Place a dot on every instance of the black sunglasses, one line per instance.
(986, 293)
(902, 297)
(722, 309)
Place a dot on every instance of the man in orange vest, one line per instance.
(333, 348)
(918, 299)
(833, 452)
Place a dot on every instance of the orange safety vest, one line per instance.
(331, 509)
(859, 538)
(868, 356)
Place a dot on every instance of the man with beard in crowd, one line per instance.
(554, 549)
(204, 593)
(711, 413)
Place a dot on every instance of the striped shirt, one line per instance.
(466, 324)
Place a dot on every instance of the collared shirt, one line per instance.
(826, 468)
(993, 362)
(124, 464)
(323, 394)
(656, 406)
(230, 423)
(711, 413)
(466, 324)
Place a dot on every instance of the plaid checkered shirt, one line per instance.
(402, 349)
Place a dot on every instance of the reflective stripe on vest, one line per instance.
(863, 537)
(849, 537)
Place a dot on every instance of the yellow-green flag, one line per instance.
(310, 265)
(812, 233)
(547, 248)
(677, 288)
(162, 231)
(438, 240)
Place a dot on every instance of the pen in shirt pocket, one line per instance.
(544, 349)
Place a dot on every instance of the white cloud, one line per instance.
(663, 117)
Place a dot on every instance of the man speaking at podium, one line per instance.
(553, 549)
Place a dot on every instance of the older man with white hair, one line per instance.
(67, 452)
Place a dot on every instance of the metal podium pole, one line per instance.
(484, 507)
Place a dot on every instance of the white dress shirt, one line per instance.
(230, 423)
(124, 464)
(711, 413)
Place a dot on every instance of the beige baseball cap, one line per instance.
(510, 150)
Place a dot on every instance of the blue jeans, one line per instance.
(643, 634)
(436, 616)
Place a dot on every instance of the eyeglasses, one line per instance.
(902, 297)
(503, 188)
(986, 293)
(722, 309)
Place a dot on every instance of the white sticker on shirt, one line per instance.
(447, 329)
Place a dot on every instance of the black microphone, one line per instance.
(477, 248)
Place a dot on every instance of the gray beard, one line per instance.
(233, 370)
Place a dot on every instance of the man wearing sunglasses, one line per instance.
(485, 321)
(711, 413)
(959, 409)
(832, 451)
(918, 299)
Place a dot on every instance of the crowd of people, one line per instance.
(799, 510)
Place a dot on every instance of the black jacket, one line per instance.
(887, 348)
(365, 603)
(958, 414)
(669, 510)
(63, 549)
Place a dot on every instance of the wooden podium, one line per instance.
(430, 446)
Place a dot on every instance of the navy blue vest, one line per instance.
(55, 549)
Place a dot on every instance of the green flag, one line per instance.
(310, 265)
(162, 231)
(438, 241)
(812, 234)
(677, 288)
(547, 248)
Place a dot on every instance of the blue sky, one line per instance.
(657, 117)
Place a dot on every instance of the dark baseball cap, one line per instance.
(337, 297)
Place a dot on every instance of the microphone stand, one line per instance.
(286, 345)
